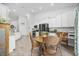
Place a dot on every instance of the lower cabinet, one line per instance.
(71, 42)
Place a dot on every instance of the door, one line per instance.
(4, 39)
(22, 25)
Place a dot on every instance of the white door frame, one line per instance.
(76, 41)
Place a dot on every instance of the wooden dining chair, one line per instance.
(35, 45)
(52, 46)
(63, 37)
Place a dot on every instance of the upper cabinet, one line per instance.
(64, 20)
(71, 18)
(55, 22)
(68, 19)
(58, 21)
(52, 22)
(4, 10)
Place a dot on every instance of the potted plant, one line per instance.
(2, 20)
(55, 30)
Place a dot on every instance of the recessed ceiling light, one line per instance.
(52, 4)
(14, 10)
(40, 8)
(32, 10)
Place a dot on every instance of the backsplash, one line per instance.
(63, 29)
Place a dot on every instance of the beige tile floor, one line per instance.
(23, 48)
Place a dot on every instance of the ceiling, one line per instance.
(34, 8)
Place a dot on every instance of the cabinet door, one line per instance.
(71, 18)
(58, 21)
(68, 19)
(64, 20)
(4, 11)
(52, 22)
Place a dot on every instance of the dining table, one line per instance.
(41, 41)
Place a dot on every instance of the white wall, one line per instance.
(27, 26)
(31, 21)
(13, 19)
(15, 23)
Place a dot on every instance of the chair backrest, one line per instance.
(65, 35)
(59, 34)
(51, 45)
(52, 40)
(62, 35)
(33, 41)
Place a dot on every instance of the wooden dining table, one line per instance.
(41, 41)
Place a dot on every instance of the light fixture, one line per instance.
(14, 10)
(32, 10)
(52, 4)
(40, 8)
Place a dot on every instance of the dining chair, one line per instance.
(52, 46)
(63, 37)
(35, 45)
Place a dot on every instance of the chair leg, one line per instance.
(31, 51)
(60, 49)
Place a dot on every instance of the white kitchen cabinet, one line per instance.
(52, 22)
(64, 21)
(58, 21)
(4, 11)
(71, 18)
(71, 37)
(68, 19)
(55, 22)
